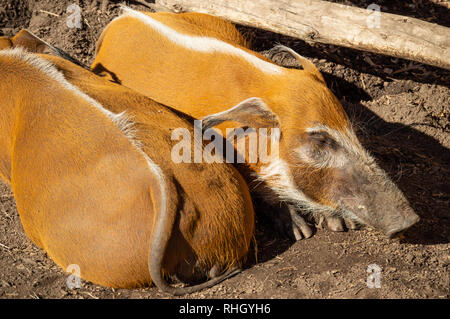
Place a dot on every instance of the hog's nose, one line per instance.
(410, 220)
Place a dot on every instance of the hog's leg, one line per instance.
(335, 223)
(288, 222)
(299, 226)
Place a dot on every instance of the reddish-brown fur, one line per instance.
(85, 194)
(201, 83)
(211, 83)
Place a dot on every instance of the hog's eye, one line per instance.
(318, 137)
(322, 139)
(320, 150)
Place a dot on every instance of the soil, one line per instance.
(402, 111)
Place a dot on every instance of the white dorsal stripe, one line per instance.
(50, 70)
(201, 44)
(121, 120)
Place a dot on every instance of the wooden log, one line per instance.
(331, 23)
(443, 3)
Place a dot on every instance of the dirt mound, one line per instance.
(402, 111)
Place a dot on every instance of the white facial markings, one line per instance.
(278, 177)
(201, 44)
(327, 160)
(347, 140)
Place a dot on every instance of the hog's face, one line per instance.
(321, 167)
(333, 174)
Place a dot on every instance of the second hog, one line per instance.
(89, 165)
(201, 65)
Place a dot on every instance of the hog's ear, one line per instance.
(252, 112)
(29, 41)
(32, 43)
(285, 56)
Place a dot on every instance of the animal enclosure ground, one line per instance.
(402, 111)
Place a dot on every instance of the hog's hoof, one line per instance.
(300, 227)
(292, 224)
(336, 224)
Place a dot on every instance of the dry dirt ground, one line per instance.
(402, 110)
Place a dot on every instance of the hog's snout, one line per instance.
(391, 220)
(371, 198)
(408, 221)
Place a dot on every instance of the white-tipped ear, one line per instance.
(34, 44)
(279, 53)
(252, 112)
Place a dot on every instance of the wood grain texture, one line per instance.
(325, 22)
